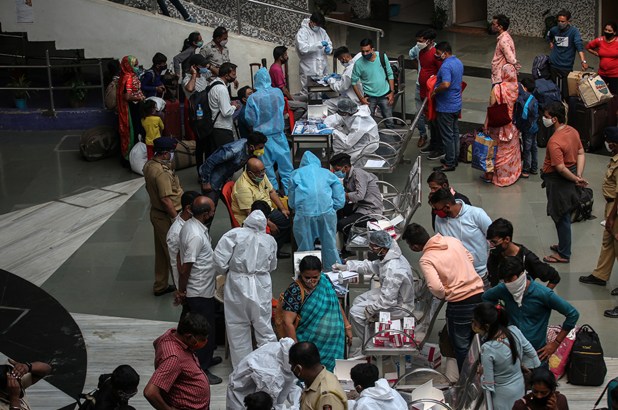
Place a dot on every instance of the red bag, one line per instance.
(498, 114)
(560, 358)
(171, 121)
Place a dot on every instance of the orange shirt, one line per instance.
(562, 148)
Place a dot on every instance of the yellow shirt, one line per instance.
(153, 125)
(324, 391)
(246, 192)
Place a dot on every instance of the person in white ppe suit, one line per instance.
(312, 46)
(247, 255)
(375, 393)
(397, 284)
(265, 369)
(342, 84)
(355, 132)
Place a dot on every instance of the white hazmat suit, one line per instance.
(343, 86)
(311, 52)
(266, 369)
(352, 134)
(381, 396)
(247, 255)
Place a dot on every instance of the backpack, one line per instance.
(526, 111)
(540, 67)
(609, 388)
(395, 69)
(279, 312)
(203, 126)
(546, 92)
(465, 147)
(88, 401)
(583, 210)
(98, 142)
(587, 365)
(110, 95)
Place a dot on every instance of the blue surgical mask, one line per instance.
(204, 70)
(199, 44)
(345, 64)
(368, 56)
(315, 28)
(339, 174)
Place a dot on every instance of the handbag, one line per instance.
(498, 114)
(593, 90)
(484, 150)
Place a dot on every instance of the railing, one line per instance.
(51, 88)
(379, 32)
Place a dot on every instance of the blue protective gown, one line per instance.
(316, 194)
(264, 112)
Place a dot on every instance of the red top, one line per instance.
(608, 56)
(178, 374)
(277, 78)
(429, 66)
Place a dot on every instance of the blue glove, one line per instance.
(336, 76)
(325, 131)
(327, 49)
(321, 126)
(324, 43)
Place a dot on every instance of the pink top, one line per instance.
(277, 78)
(504, 54)
(608, 56)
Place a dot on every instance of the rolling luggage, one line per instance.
(589, 122)
(172, 123)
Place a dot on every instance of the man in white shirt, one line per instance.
(221, 106)
(196, 281)
(173, 235)
(199, 75)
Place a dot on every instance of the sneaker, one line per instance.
(212, 379)
(592, 280)
(426, 150)
(613, 313)
(435, 155)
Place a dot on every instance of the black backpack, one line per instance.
(546, 91)
(203, 126)
(586, 365)
(540, 67)
(395, 69)
(583, 210)
(526, 110)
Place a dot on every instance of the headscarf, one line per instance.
(127, 78)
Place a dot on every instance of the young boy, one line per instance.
(153, 125)
(529, 155)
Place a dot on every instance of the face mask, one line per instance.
(345, 64)
(339, 174)
(258, 152)
(136, 70)
(547, 122)
(315, 28)
(607, 146)
(204, 70)
(441, 214)
(125, 396)
(222, 43)
(171, 156)
(421, 45)
(368, 56)
(439, 57)
(609, 36)
(199, 44)
(562, 26)
(517, 288)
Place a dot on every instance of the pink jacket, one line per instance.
(448, 269)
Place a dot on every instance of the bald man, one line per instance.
(253, 185)
(196, 276)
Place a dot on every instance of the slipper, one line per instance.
(554, 248)
(554, 259)
(421, 142)
(524, 175)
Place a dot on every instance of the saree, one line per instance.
(128, 112)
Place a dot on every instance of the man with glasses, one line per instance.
(254, 185)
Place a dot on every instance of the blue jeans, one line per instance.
(385, 109)
(459, 323)
(420, 125)
(563, 227)
(530, 154)
(449, 132)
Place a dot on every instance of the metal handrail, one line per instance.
(379, 32)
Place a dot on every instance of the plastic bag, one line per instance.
(138, 157)
(560, 358)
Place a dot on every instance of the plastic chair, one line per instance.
(226, 196)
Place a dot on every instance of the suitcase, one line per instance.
(589, 122)
(542, 136)
(184, 156)
(173, 126)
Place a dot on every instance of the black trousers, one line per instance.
(560, 76)
(284, 226)
(206, 308)
(346, 216)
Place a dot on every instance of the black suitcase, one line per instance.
(589, 122)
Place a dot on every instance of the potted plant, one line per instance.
(77, 93)
(20, 96)
(439, 18)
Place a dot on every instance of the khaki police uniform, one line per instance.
(609, 246)
(325, 393)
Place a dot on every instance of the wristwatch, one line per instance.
(584, 62)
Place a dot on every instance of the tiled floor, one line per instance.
(81, 230)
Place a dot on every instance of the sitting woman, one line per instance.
(503, 353)
(312, 313)
(544, 395)
(507, 163)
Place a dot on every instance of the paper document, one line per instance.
(374, 163)
(345, 275)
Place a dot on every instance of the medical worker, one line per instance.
(355, 132)
(313, 45)
(342, 84)
(316, 195)
(247, 255)
(396, 284)
(264, 112)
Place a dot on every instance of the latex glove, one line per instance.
(321, 126)
(337, 267)
(331, 81)
(320, 45)
(336, 76)
(325, 131)
(324, 43)
(327, 50)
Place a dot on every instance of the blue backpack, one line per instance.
(526, 112)
(546, 92)
(540, 67)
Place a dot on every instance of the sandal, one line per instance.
(486, 180)
(524, 175)
(555, 259)
(421, 142)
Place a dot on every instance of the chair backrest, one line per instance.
(226, 196)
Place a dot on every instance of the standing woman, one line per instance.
(504, 351)
(189, 47)
(606, 48)
(129, 96)
(507, 166)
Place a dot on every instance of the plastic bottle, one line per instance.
(323, 153)
(199, 113)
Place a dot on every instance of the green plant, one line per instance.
(20, 82)
(77, 91)
(439, 18)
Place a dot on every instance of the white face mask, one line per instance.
(421, 45)
(547, 122)
(223, 43)
(517, 288)
(607, 146)
(345, 64)
(315, 28)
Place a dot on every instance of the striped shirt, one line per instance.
(178, 374)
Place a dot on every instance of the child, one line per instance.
(153, 125)
(528, 136)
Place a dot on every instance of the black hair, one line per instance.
(159, 58)
(442, 195)
(263, 206)
(509, 267)
(310, 262)
(366, 42)
(198, 60)
(420, 33)
(200, 209)
(318, 18)
(564, 13)
(487, 314)
(556, 109)
(438, 177)
(113, 67)
(340, 160)
(219, 31)
(187, 198)
(279, 51)
(190, 40)
(193, 323)
(305, 354)
(149, 107)
(226, 68)
(500, 228)
(415, 234)
(528, 82)
(256, 137)
(543, 375)
(242, 93)
(430, 34)
(339, 51)
(445, 47)
(124, 378)
(614, 26)
(503, 21)
(365, 375)
(258, 401)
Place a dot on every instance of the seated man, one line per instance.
(396, 284)
(375, 393)
(529, 306)
(15, 378)
(362, 194)
(355, 132)
(500, 237)
(437, 180)
(342, 84)
(253, 185)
